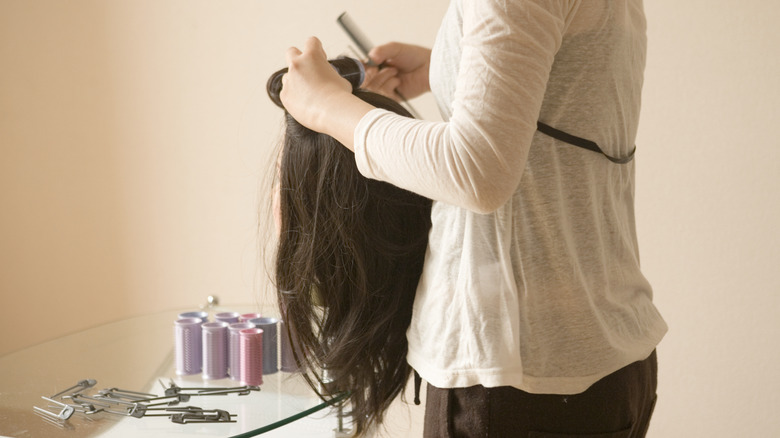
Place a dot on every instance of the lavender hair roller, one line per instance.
(215, 346)
(203, 316)
(188, 351)
(288, 360)
(228, 317)
(270, 344)
(234, 359)
(251, 354)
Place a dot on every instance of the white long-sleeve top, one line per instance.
(532, 275)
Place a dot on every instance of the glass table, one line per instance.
(137, 354)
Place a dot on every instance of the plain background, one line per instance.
(136, 142)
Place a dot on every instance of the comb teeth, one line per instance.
(355, 34)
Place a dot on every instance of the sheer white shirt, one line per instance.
(532, 276)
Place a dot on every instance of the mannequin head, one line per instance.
(350, 255)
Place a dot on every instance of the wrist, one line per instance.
(326, 109)
(339, 115)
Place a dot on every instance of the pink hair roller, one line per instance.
(234, 358)
(251, 356)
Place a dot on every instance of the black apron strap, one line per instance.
(417, 384)
(581, 142)
(566, 138)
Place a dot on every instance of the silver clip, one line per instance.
(240, 390)
(174, 390)
(123, 394)
(64, 411)
(107, 404)
(203, 416)
(79, 387)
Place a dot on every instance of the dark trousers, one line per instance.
(618, 406)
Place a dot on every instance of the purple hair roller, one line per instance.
(270, 356)
(234, 360)
(251, 355)
(288, 360)
(188, 351)
(228, 317)
(203, 316)
(215, 346)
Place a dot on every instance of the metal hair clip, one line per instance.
(124, 394)
(109, 405)
(205, 416)
(81, 386)
(64, 411)
(240, 390)
(174, 389)
(136, 404)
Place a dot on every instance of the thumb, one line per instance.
(380, 54)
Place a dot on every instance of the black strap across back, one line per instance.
(581, 142)
(566, 138)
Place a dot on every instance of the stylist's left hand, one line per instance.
(311, 86)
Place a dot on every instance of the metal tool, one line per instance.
(240, 390)
(63, 413)
(124, 394)
(175, 399)
(109, 405)
(365, 46)
(205, 416)
(174, 389)
(137, 404)
(79, 387)
(193, 414)
(170, 410)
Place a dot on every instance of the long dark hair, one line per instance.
(349, 259)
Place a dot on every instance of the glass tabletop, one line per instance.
(136, 355)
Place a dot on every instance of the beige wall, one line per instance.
(709, 210)
(135, 139)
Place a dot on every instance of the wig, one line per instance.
(350, 256)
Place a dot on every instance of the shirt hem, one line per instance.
(514, 377)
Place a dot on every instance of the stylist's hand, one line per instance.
(311, 87)
(405, 70)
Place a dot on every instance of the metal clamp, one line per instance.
(63, 413)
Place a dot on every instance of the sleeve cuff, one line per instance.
(362, 154)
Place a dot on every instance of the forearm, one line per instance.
(439, 160)
(476, 159)
(339, 115)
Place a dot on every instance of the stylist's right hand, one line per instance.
(311, 84)
(405, 70)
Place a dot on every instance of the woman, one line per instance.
(532, 314)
